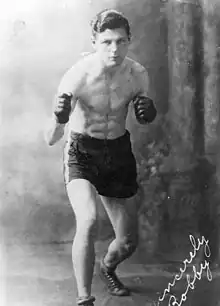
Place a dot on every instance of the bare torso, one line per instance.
(102, 101)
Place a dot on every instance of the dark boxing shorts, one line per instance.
(108, 164)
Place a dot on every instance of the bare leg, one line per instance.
(82, 196)
(123, 216)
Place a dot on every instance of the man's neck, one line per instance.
(112, 71)
(109, 72)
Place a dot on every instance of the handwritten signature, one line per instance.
(197, 274)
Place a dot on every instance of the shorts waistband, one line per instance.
(98, 141)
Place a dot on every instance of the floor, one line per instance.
(41, 275)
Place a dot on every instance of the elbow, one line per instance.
(50, 143)
(53, 140)
(49, 140)
(52, 136)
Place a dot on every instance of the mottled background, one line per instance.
(40, 40)
(177, 155)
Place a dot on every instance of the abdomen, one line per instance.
(87, 121)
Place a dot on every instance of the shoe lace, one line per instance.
(113, 280)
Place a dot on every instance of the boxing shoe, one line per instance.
(109, 277)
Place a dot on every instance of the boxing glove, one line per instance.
(144, 108)
(63, 108)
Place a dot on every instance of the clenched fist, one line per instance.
(144, 108)
(63, 108)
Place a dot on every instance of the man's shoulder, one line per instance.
(82, 64)
(135, 66)
(139, 74)
(74, 77)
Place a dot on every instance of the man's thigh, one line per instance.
(123, 214)
(82, 195)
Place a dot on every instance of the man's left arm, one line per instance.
(144, 107)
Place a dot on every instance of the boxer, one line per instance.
(92, 100)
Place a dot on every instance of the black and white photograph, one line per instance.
(110, 153)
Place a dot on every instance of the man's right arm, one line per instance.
(60, 117)
(64, 103)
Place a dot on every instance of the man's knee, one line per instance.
(82, 197)
(86, 220)
(128, 245)
(87, 224)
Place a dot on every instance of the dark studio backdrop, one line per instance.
(177, 155)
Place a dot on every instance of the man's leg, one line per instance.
(123, 214)
(82, 196)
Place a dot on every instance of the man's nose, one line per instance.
(114, 46)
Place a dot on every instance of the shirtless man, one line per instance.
(93, 97)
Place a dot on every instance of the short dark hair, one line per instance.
(109, 19)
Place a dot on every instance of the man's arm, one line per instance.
(64, 103)
(145, 110)
(60, 117)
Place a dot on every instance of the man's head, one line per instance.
(111, 37)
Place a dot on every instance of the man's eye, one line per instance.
(122, 41)
(107, 42)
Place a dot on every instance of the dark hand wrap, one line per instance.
(63, 108)
(144, 108)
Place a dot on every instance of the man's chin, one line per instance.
(114, 63)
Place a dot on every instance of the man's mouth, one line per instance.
(115, 57)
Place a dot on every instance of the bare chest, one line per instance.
(105, 95)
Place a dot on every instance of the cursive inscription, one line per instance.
(196, 274)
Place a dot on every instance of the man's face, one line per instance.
(112, 46)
